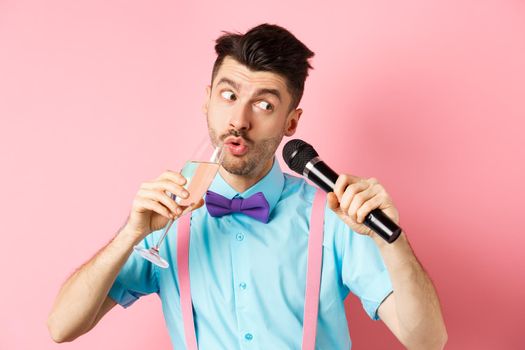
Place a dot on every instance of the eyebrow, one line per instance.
(258, 92)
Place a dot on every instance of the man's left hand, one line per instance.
(354, 198)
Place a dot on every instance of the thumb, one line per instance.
(198, 204)
(331, 200)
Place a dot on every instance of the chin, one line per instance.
(239, 167)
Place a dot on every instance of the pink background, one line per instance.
(427, 96)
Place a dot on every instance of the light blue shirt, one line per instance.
(248, 278)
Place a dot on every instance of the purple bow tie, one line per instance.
(255, 206)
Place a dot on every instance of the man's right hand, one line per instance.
(153, 206)
(77, 309)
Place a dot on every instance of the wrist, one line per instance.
(398, 255)
(383, 244)
(128, 237)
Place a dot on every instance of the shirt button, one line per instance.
(248, 336)
(240, 236)
(242, 285)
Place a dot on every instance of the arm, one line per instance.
(412, 312)
(83, 299)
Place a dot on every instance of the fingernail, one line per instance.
(178, 211)
(185, 194)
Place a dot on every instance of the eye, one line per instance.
(265, 105)
(228, 95)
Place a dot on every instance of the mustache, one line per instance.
(236, 133)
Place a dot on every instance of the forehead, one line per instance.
(249, 80)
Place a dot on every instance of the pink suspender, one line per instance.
(313, 275)
(313, 272)
(183, 255)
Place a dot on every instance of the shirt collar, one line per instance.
(271, 185)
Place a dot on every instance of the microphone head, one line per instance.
(297, 153)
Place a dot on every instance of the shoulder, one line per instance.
(296, 188)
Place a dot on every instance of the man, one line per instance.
(248, 276)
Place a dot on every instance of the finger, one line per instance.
(349, 194)
(193, 206)
(367, 207)
(359, 199)
(343, 181)
(199, 204)
(163, 198)
(173, 176)
(331, 200)
(373, 181)
(167, 186)
(155, 207)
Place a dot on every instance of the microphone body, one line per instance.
(323, 176)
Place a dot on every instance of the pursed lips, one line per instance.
(236, 145)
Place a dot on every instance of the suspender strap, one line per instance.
(313, 275)
(183, 252)
(313, 272)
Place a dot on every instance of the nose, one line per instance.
(240, 117)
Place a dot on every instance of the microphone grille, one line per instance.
(297, 153)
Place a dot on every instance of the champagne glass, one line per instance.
(199, 175)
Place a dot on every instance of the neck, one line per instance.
(241, 183)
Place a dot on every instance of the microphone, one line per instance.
(302, 158)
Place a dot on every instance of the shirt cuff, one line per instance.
(123, 296)
(381, 288)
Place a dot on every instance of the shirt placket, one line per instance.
(240, 240)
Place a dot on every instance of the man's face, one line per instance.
(250, 112)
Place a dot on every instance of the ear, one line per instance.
(293, 122)
(206, 100)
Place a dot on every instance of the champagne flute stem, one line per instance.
(164, 234)
(168, 226)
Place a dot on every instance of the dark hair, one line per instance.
(269, 48)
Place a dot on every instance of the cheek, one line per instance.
(217, 117)
(271, 125)
(273, 130)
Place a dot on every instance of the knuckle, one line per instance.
(382, 195)
(166, 197)
(162, 210)
(352, 189)
(342, 180)
(177, 177)
(359, 198)
(373, 180)
(363, 209)
(144, 193)
(169, 185)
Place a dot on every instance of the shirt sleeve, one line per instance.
(363, 270)
(137, 278)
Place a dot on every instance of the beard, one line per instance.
(255, 159)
